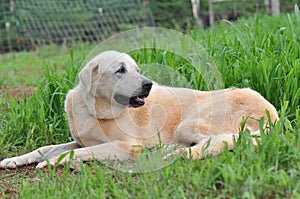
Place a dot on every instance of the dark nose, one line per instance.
(147, 85)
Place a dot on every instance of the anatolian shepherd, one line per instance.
(114, 108)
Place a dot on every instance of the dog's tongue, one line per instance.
(139, 99)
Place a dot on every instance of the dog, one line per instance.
(114, 108)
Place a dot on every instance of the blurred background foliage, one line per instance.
(25, 24)
(178, 15)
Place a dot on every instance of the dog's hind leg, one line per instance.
(38, 155)
(211, 145)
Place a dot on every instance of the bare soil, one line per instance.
(18, 92)
(11, 180)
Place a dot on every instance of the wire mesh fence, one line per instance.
(25, 24)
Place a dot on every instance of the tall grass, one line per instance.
(261, 53)
(41, 119)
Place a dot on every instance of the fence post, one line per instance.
(196, 12)
(211, 13)
(275, 7)
(267, 6)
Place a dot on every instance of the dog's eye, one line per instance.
(122, 69)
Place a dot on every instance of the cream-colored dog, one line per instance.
(115, 108)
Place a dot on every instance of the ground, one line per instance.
(10, 180)
(19, 92)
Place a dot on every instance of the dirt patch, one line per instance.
(18, 92)
(11, 180)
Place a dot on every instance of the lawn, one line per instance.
(261, 53)
(25, 69)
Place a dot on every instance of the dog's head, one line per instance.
(115, 78)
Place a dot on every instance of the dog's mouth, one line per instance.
(135, 101)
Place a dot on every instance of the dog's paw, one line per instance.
(73, 164)
(11, 163)
(183, 152)
(44, 164)
(176, 153)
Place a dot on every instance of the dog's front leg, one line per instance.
(113, 150)
(38, 155)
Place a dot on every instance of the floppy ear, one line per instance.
(87, 75)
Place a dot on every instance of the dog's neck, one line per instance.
(101, 108)
(105, 110)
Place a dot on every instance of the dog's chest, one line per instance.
(126, 128)
(143, 124)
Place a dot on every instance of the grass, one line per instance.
(262, 53)
(25, 69)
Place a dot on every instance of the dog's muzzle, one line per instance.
(139, 100)
(138, 97)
